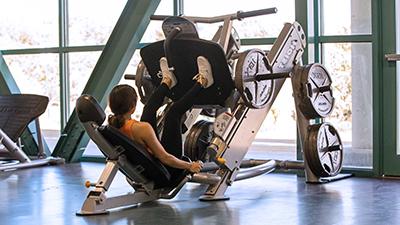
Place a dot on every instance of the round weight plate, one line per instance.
(256, 94)
(324, 150)
(198, 139)
(316, 94)
(143, 82)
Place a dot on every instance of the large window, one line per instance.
(342, 43)
(345, 45)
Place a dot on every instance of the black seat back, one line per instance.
(136, 154)
(113, 143)
(18, 110)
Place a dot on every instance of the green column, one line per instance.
(121, 45)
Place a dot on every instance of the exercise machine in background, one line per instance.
(16, 112)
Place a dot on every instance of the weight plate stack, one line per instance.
(197, 140)
(316, 93)
(250, 63)
(324, 150)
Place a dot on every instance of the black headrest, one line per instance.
(88, 109)
(18, 110)
(136, 154)
(188, 29)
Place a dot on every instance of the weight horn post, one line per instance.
(130, 77)
(272, 76)
(324, 88)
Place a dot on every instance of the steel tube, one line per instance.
(290, 165)
(129, 76)
(13, 148)
(216, 19)
(205, 178)
(271, 76)
(256, 170)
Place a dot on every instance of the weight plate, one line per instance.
(197, 140)
(316, 94)
(143, 82)
(256, 94)
(324, 150)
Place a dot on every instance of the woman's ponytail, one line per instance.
(116, 121)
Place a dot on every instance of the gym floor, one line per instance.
(51, 195)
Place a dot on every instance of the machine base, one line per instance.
(331, 179)
(87, 213)
(208, 198)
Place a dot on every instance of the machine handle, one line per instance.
(129, 77)
(240, 15)
(215, 19)
(392, 57)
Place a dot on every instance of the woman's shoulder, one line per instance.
(140, 125)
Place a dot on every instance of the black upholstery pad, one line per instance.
(137, 155)
(18, 110)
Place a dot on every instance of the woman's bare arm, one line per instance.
(149, 138)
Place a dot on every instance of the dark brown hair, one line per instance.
(121, 99)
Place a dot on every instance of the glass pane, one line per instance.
(28, 24)
(38, 74)
(350, 66)
(345, 17)
(92, 21)
(276, 138)
(154, 31)
(81, 65)
(261, 26)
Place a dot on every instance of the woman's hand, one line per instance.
(195, 167)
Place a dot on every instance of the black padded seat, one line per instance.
(18, 110)
(89, 111)
(137, 155)
(184, 53)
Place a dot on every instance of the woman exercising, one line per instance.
(168, 149)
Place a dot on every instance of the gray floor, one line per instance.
(51, 195)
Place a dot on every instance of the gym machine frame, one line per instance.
(233, 132)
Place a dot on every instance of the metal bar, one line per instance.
(13, 148)
(129, 76)
(205, 178)
(63, 62)
(257, 41)
(377, 82)
(316, 18)
(256, 170)
(89, 48)
(39, 137)
(301, 13)
(33, 163)
(271, 76)
(392, 57)
(215, 19)
(345, 39)
(178, 7)
(109, 69)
